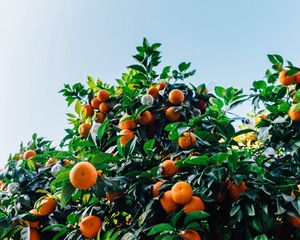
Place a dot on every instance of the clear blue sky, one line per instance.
(44, 44)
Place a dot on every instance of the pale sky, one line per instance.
(44, 44)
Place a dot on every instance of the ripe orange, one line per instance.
(33, 224)
(161, 86)
(168, 203)
(113, 196)
(190, 234)
(145, 118)
(127, 135)
(67, 162)
(90, 226)
(103, 95)
(29, 154)
(292, 194)
(104, 107)
(45, 206)
(171, 115)
(155, 188)
(127, 122)
(100, 116)
(153, 91)
(285, 80)
(84, 129)
(95, 103)
(297, 77)
(294, 221)
(176, 97)
(294, 115)
(87, 111)
(168, 168)
(182, 192)
(236, 190)
(34, 234)
(196, 204)
(83, 175)
(187, 140)
(50, 162)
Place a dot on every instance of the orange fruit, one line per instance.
(297, 77)
(168, 168)
(127, 122)
(50, 162)
(168, 203)
(145, 118)
(292, 194)
(153, 91)
(103, 95)
(294, 221)
(190, 234)
(113, 196)
(161, 86)
(67, 162)
(196, 204)
(90, 226)
(95, 103)
(29, 154)
(176, 97)
(127, 135)
(104, 107)
(187, 140)
(294, 115)
(45, 206)
(84, 129)
(182, 192)
(100, 116)
(83, 175)
(172, 115)
(236, 190)
(87, 111)
(34, 234)
(155, 188)
(285, 80)
(33, 224)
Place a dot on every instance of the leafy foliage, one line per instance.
(246, 188)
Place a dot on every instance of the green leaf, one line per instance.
(53, 227)
(61, 233)
(128, 236)
(216, 102)
(201, 160)
(138, 68)
(176, 218)
(220, 91)
(102, 129)
(78, 107)
(148, 147)
(261, 237)
(160, 228)
(259, 84)
(66, 193)
(195, 217)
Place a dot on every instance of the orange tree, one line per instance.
(156, 158)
